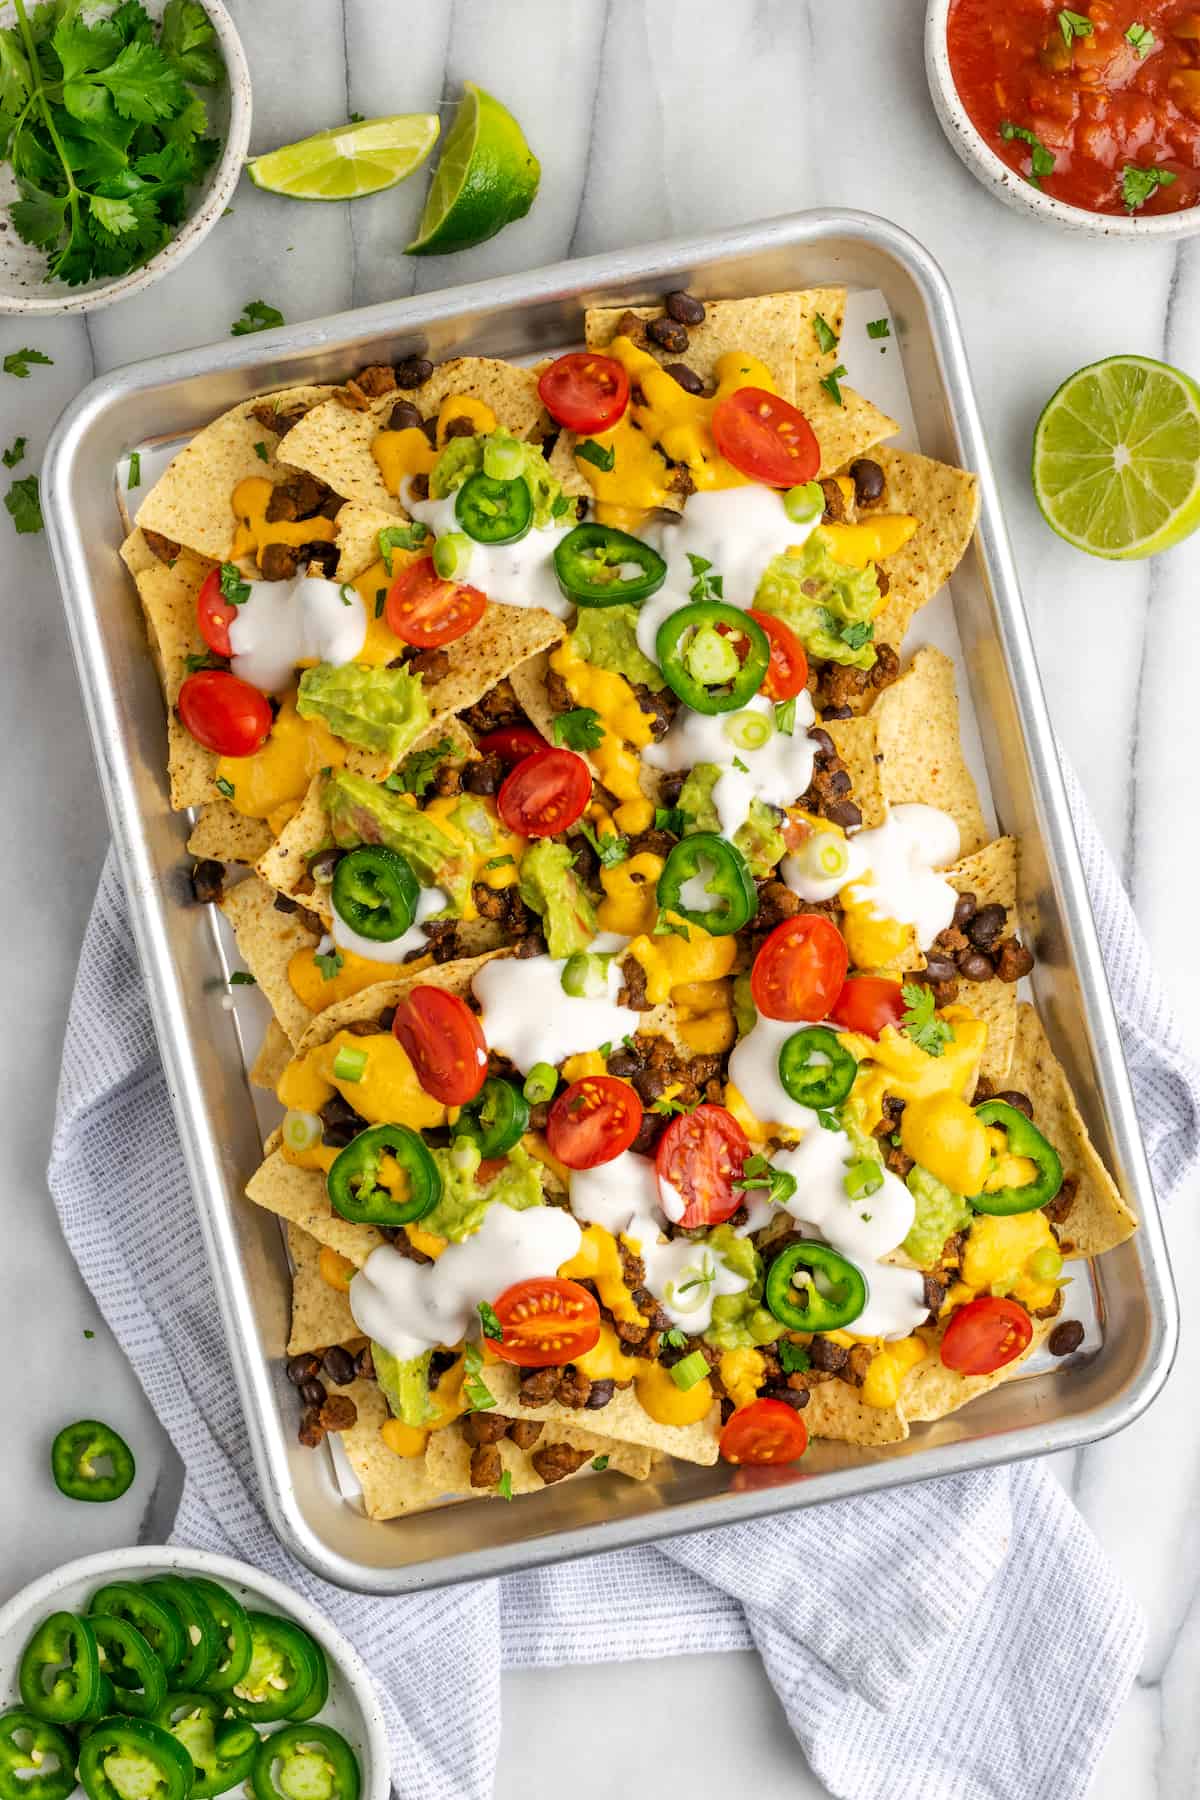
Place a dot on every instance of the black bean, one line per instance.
(413, 371)
(939, 968)
(322, 865)
(685, 307)
(844, 813)
(386, 1018)
(208, 881)
(312, 1432)
(1065, 1338)
(837, 783)
(986, 926)
(624, 1064)
(364, 1364)
(405, 417)
(794, 1397)
(429, 427)
(284, 904)
(823, 741)
(975, 966)
(1014, 1097)
(964, 908)
(867, 477)
(669, 334)
(313, 1392)
(301, 1369)
(687, 378)
(600, 1394)
(836, 712)
(338, 1365)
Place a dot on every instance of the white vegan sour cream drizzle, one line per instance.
(284, 623)
(526, 1015)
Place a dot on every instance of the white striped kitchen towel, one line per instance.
(895, 1629)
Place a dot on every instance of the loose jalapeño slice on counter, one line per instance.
(76, 1457)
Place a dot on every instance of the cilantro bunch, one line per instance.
(104, 128)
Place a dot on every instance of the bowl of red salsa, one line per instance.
(1088, 115)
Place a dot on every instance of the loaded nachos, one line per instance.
(644, 978)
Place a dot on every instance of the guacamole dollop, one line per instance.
(759, 839)
(606, 636)
(550, 887)
(940, 1213)
(380, 709)
(405, 1385)
(827, 604)
(740, 1321)
(464, 1200)
(363, 812)
(464, 456)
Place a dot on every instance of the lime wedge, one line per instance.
(349, 160)
(486, 178)
(1116, 458)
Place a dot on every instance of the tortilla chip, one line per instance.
(529, 685)
(299, 1196)
(190, 503)
(991, 875)
(856, 743)
(136, 553)
(837, 1410)
(505, 637)
(1099, 1219)
(767, 326)
(321, 1314)
(274, 1055)
(916, 733)
(227, 835)
(448, 1459)
(931, 1390)
(624, 1418)
(333, 442)
(358, 529)
(267, 940)
(392, 1485)
(946, 500)
(455, 977)
(168, 596)
(844, 430)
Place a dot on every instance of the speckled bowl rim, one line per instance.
(1004, 182)
(196, 226)
(33, 1602)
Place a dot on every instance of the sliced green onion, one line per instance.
(585, 976)
(348, 594)
(465, 1155)
(804, 504)
(1045, 1264)
(711, 658)
(301, 1130)
(689, 1370)
(503, 457)
(689, 1292)
(825, 856)
(452, 554)
(540, 1083)
(348, 1064)
(749, 730)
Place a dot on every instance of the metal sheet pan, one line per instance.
(521, 317)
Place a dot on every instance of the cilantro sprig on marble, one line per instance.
(102, 123)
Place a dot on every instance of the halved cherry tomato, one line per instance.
(214, 615)
(867, 1003)
(593, 1121)
(545, 793)
(766, 1431)
(587, 392)
(546, 1322)
(427, 611)
(700, 1155)
(224, 713)
(444, 1042)
(800, 970)
(985, 1334)
(766, 438)
(511, 742)
(787, 671)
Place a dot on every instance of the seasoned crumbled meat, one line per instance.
(486, 1466)
(654, 843)
(459, 426)
(898, 1160)
(841, 686)
(827, 1355)
(537, 1386)
(558, 693)
(887, 664)
(532, 945)
(525, 1432)
(418, 486)
(352, 397)
(279, 419)
(635, 329)
(208, 881)
(165, 548)
(633, 994)
(339, 1413)
(553, 1461)
(935, 1294)
(484, 1428)
(602, 1392)
(499, 706)
(858, 1364)
(835, 502)
(433, 665)
(776, 902)
(1058, 1208)
(442, 940)
(278, 562)
(413, 371)
(447, 780)
(325, 556)
(312, 1432)
(377, 380)
(681, 481)
(573, 1387)
(1012, 959)
(484, 775)
(659, 708)
(504, 906)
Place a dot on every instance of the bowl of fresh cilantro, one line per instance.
(124, 125)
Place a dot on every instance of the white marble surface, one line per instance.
(651, 117)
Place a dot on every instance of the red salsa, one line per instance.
(1096, 104)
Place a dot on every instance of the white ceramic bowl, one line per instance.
(23, 287)
(352, 1707)
(1004, 182)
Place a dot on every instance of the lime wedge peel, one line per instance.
(1116, 458)
(348, 161)
(487, 176)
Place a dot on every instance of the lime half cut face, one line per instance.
(350, 160)
(1116, 458)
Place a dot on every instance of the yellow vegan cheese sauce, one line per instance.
(272, 782)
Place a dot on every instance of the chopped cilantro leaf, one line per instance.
(242, 978)
(1137, 184)
(256, 316)
(793, 1358)
(17, 362)
(233, 588)
(15, 453)
(329, 962)
(491, 1325)
(195, 662)
(501, 862)
(418, 769)
(878, 328)
(826, 336)
(24, 504)
(673, 1339)
(832, 384)
(1041, 162)
(400, 537)
(580, 729)
(920, 1021)
(261, 451)
(478, 1395)
(671, 818)
(504, 1486)
(225, 787)
(599, 1463)
(705, 586)
(612, 848)
(601, 456)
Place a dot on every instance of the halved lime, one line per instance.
(349, 160)
(486, 178)
(1116, 458)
